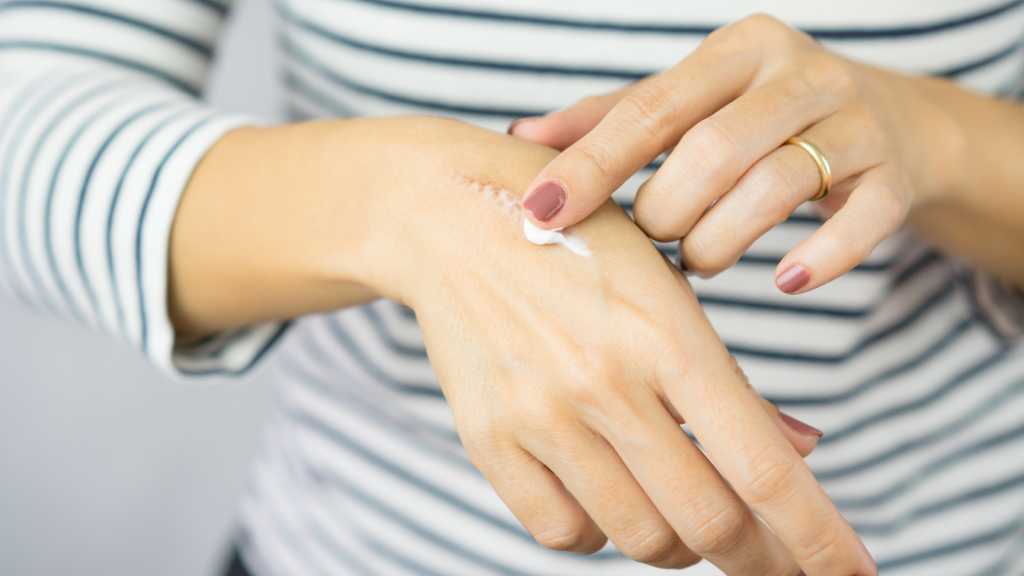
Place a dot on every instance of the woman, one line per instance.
(194, 235)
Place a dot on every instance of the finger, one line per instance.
(563, 128)
(711, 157)
(803, 437)
(758, 460)
(706, 513)
(596, 476)
(873, 211)
(775, 186)
(538, 499)
(642, 125)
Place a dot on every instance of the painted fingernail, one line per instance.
(545, 201)
(512, 127)
(794, 278)
(799, 426)
(801, 573)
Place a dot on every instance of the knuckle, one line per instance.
(703, 257)
(590, 380)
(596, 159)
(766, 474)
(718, 532)
(827, 73)
(891, 206)
(765, 197)
(562, 537)
(649, 545)
(817, 550)
(710, 148)
(654, 222)
(650, 108)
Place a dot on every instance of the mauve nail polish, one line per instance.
(799, 426)
(545, 201)
(793, 279)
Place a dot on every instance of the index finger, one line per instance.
(640, 127)
(760, 464)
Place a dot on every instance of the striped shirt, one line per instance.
(911, 363)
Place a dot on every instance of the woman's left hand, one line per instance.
(727, 109)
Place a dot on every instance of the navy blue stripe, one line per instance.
(113, 210)
(338, 79)
(507, 66)
(204, 50)
(950, 386)
(348, 393)
(981, 62)
(939, 507)
(307, 91)
(12, 114)
(23, 219)
(356, 353)
(337, 437)
(946, 430)
(951, 548)
(942, 344)
(410, 424)
(23, 45)
(263, 351)
(85, 192)
(214, 6)
(930, 470)
(48, 213)
(944, 294)
(863, 33)
(297, 544)
(384, 335)
(142, 224)
(393, 514)
(1001, 567)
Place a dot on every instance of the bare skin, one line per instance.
(567, 376)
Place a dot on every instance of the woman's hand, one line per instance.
(727, 109)
(568, 376)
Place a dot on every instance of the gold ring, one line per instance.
(819, 159)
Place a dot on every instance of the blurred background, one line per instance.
(106, 467)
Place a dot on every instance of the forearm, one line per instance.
(976, 210)
(285, 221)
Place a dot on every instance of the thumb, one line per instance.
(632, 134)
(563, 128)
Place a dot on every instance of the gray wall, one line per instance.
(107, 468)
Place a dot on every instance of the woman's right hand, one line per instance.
(568, 376)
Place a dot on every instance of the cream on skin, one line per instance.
(508, 203)
(541, 236)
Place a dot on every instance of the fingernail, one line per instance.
(545, 201)
(516, 122)
(799, 426)
(801, 573)
(793, 279)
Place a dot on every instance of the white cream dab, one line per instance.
(508, 203)
(541, 236)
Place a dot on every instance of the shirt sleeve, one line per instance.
(100, 130)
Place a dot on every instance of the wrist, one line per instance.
(451, 188)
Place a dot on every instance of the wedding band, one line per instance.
(819, 159)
